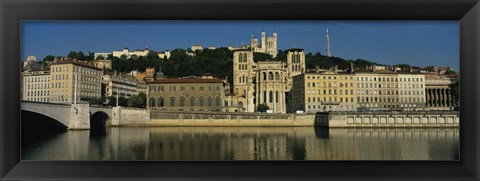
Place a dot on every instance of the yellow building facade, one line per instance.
(36, 85)
(66, 75)
(324, 91)
(186, 94)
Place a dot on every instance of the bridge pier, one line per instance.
(116, 116)
(79, 116)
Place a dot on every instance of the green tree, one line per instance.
(282, 56)
(259, 57)
(78, 55)
(138, 100)
(49, 58)
(95, 101)
(262, 107)
(90, 56)
(112, 101)
(455, 92)
(122, 101)
(100, 57)
(448, 72)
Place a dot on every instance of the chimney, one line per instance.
(317, 68)
(394, 69)
(335, 69)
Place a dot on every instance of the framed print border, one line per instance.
(467, 12)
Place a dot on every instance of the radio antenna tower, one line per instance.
(327, 49)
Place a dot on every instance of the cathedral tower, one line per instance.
(243, 77)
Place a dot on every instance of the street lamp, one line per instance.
(76, 87)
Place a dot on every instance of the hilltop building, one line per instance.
(266, 45)
(128, 53)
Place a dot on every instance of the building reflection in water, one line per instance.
(249, 143)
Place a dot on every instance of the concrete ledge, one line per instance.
(437, 119)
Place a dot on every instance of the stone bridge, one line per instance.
(78, 116)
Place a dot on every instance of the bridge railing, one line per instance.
(49, 103)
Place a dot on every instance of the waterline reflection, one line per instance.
(248, 143)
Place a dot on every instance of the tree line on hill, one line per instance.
(218, 61)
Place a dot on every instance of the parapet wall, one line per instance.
(388, 119)
(130, 117)
(229, 119)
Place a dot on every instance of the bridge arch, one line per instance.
(99, 119)
(40, 121)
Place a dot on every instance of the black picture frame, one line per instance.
(12, 12)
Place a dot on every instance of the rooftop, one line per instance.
(185, 80)
(71, 61)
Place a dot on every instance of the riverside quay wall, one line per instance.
(162, 118)
(387, 119)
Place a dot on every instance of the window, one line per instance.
(152, 102)
(182, 101)
(217, 102)
(192, 100)
(161, 102)
(201, 88)
(172, 101)
(182, 88)
(200, 101)
(209, 102)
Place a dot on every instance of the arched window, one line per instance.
(277, 76)
(172, 101)
(200, 101)
(209, 102)
(192, 101)
(182, 101)
(270, 97)
(276, 96)
(244, 57)
(152, 102)
(240, 59)
(293, 58)
(264, 96)
(264, 76)
(161, 102)
(298, 58)
(270, 76)
(240, 79)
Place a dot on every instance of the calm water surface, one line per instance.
(247, 143)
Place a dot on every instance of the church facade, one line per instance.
(266, 82)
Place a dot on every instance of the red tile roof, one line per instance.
(70, 61)
(165, 81)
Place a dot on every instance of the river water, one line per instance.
(247, 143)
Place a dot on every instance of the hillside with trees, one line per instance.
(218, 61)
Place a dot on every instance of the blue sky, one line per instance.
(418, 43)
